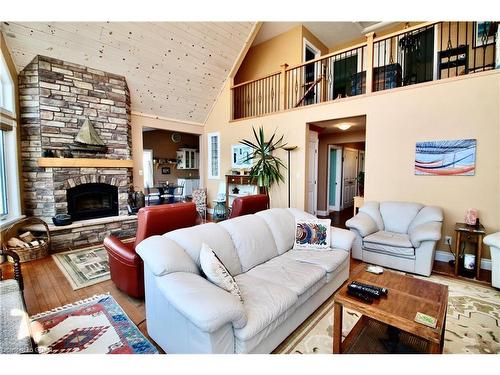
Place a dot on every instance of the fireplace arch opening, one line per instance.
(92, 200)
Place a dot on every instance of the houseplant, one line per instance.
(266, 167)
(361, 183)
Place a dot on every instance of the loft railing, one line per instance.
(258, 97)
(426, 52)
(326, 78)
(434, 51)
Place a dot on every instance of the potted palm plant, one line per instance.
(266, 167)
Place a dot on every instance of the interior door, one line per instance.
(312, 172)
(309, 76)
(334, 178)
(349, 173)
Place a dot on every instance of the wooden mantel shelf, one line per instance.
(84, 163)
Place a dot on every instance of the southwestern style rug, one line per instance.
(97, 325)
(472, 323)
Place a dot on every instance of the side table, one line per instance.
(469, 233)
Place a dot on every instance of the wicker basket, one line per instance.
(28, 253)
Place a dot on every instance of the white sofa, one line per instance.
(280, 286)
(493, 241)
(399, 235)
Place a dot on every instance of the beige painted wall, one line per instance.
(347, 140)
(463, 107)
(140, 121)
(266, 57)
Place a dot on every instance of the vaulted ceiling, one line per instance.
(173, 69)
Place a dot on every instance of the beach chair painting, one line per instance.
(446, 158)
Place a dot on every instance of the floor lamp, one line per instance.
(288, 150)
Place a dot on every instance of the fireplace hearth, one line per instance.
(92, 200)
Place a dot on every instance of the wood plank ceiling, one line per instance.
(173, 69)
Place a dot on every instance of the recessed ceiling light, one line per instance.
(344, 126)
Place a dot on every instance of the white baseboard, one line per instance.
(322, 213)
(445, 256)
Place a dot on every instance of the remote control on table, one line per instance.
(381, 291)
(360, 295)
(364, 290)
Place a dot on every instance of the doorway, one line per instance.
(341, 158)
(349, 175)
(334, 177)
(310, 71)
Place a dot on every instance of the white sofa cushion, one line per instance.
(252, 239)
(216, 272)
(372, 209)
(164, 256)
(299, 214)
(206, 305)
(389, 242)
(397, 216)
(263, 302)
(282, 225)
(425, 215)
(191, 239)
(298, 277)
(328, 260)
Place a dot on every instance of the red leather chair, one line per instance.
(126, 267)
(249, 205)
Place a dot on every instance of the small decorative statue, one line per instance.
(236, 190)
(471, 216)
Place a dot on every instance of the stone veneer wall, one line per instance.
(55, 98)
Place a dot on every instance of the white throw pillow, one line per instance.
(216, 272)
(312, 234)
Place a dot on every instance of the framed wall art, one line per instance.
(446, 158)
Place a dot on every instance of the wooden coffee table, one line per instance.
(407, 296)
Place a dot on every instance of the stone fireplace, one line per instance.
(56, 99)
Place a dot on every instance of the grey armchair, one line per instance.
(493, 241)
(399, 235)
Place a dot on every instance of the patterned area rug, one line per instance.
(472, 323)
(97, 325)
(84, 267)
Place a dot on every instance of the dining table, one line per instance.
(167, 190)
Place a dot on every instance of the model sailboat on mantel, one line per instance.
(88, 140)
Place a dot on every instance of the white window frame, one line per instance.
(10, 145)
(210, 174)
(148, 168)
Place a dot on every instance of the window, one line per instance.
(213, 155)
(147, 167)
(4, 208)
(10, 203)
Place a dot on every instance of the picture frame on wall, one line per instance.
(165, 170)
(240, 157)
(446, 158)
(484, 33)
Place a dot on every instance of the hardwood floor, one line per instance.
(45, 288)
